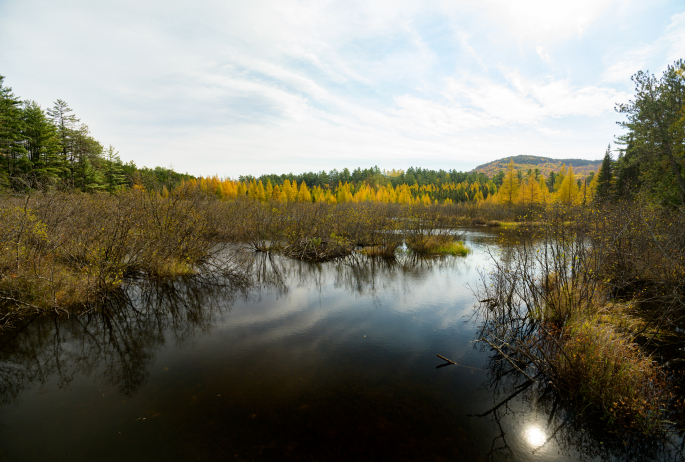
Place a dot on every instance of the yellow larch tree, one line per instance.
(276, 194)
(304, 195)
(289, 190)
(508, 191)
(568, 190)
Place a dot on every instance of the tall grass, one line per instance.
(555, 306)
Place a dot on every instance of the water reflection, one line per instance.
(531, 419)
(119, 341)
(284, 360)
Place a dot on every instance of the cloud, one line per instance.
(543, 56)
(655, 56)
(541, 20)
(251, 87)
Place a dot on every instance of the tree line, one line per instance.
(43, 149)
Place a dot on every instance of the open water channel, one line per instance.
(332, 361)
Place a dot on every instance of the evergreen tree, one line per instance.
(113, 173)
(12, 150)
(656, 134)
(605, 178)
(65, 123)
(42, 144)
(86, 160)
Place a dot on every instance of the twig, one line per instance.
(511, 361)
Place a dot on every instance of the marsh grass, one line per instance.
(384, 251)
(439, 244)
(603, 370)
(453, 248)
(583, 299)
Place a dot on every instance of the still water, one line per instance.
(296, 361)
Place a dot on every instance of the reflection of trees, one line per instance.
(118, 341)
(356, 272)
(516, 398)
(361, 274)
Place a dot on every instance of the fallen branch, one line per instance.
(511, 361)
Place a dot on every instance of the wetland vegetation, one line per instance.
(580, 295)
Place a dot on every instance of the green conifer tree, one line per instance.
(605, 178)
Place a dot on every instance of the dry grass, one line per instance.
(580, 295)
(384, 251)
(441, 244)
(601, 368)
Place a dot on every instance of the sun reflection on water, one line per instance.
(535, 436)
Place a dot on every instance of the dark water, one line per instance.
(333, 361)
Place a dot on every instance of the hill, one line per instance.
(581, 167)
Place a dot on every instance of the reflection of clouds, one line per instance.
(399, 305)
(432, 289)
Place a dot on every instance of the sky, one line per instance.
(256, 87)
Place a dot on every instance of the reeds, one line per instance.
(555, 305)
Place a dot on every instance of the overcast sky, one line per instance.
(252, 87)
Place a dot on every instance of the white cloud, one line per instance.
(654, 56)
(543, 56)
(542, 20)
(248, 87)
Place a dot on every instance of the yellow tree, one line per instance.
(508, 191)
(544, 190)
(261, 193)
(242, 189)
(304, 195)
(288, 190)
(560, 177)
(568, 190)
(276, 194)
(592, 187)
(529, 192)
(330, 198)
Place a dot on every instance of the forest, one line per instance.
(53, 150)
(590, 300)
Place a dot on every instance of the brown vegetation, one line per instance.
(63, 251)
(561, 305)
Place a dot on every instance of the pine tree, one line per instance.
(65, 122)
(42, 143)
(87, 160)
(12, 150)
(605, 178)
(114, 177)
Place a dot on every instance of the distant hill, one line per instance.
(581, 167)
